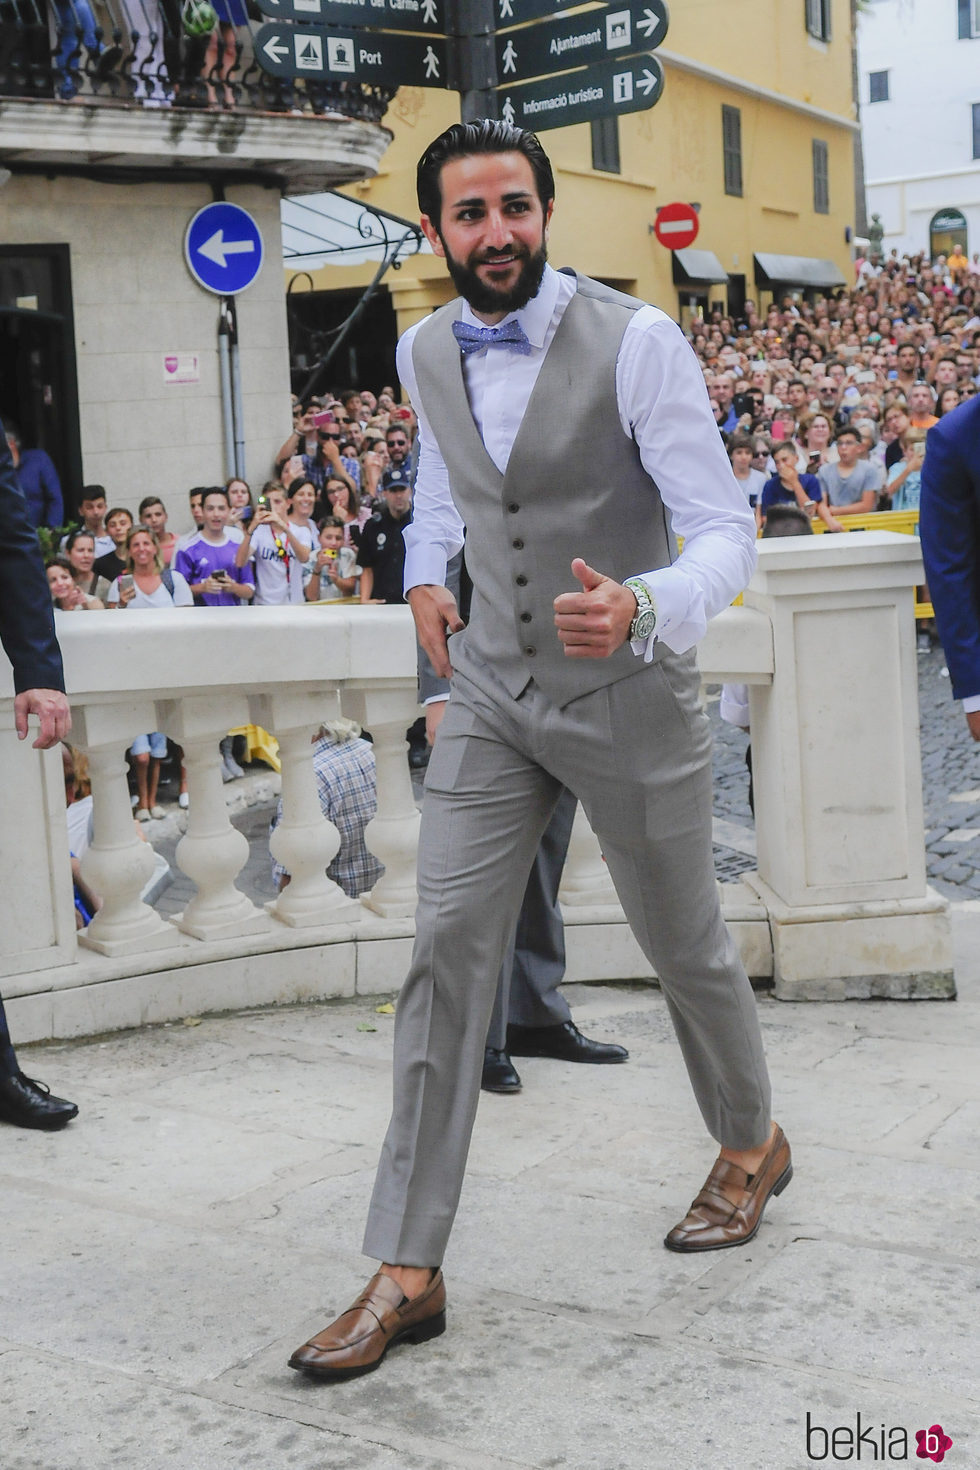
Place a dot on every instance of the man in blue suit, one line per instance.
(29, 641)
(949, 526)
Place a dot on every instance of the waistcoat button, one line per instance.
(530, 652)
(525, 617)
(513, 507)
(521, 580)
(518, 545)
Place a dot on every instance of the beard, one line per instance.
(485, 297)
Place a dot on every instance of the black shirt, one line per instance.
(109, 566)
(382, 549)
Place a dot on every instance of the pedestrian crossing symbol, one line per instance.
(309, 53)
(340, 54)
(623, 86)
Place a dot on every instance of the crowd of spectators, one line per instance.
(825, 403)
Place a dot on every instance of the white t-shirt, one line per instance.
(274, 586)
(752, 486)
(346, 567)
(183, 597)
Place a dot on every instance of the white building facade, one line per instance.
(919, 63)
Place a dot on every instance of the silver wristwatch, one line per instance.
(645, 621)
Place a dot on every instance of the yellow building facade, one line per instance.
(772, 76)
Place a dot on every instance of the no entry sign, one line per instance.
(676, 226)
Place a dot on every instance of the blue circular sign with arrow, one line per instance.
(223, 248)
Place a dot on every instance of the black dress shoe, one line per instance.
(499, 1072)
(565, 1043)
(29, 1104)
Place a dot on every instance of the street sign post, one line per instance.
(388, 15)
(573, 40)
(609, 88)
(676, 226)
(352, 56)
(223, 248)
(508, 13)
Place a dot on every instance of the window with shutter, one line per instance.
(821, 180)
(731, 132)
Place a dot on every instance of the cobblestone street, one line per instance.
(950, 781)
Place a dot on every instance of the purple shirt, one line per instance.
(201, 559)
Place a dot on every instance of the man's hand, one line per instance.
(595, 622)
(434, 610)
(51, 708)
(973, 720)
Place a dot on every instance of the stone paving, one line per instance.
(202, 1217)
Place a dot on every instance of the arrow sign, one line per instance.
(604, 90)
(388, 15)
(360, 56)
(510, 13)
(223, 248)
(591, 35)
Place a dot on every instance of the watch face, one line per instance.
(645, 623)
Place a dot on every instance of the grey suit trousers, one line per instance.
(637, 753)
(534, 962)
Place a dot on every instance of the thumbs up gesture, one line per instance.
(595, 622)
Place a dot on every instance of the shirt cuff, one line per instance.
(424, 565)
(681, 617)
(971, 703)
(436, 698)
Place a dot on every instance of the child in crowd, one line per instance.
(334, 570)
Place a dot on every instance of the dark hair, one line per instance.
(73, 536)
(334, 521)
(740, 441)
(60, 561)
(92, 492)
(147, 501)
(201, 490)
(463, 140)
(351, 495)
(210, 490)
(786, 520)
(119, 510)
(847, 431)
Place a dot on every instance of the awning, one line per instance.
(796, 270)
(697, 268)
(332, 228)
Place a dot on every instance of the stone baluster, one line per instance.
(304, 841)
(393, 835)
(585, 879)
(117, 865)
(212, 852)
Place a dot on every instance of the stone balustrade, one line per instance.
(839, 905)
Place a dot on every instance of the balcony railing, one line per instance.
(139, 53)
(839, 906)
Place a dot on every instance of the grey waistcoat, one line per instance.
(574, 486)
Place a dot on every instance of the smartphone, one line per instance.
(126, 582)
(326, 416)
(262, 503)
(778, 429)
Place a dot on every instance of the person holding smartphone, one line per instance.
(274, 551)
(208, 563)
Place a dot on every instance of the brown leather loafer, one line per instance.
(357, 1342)
(729, 1209)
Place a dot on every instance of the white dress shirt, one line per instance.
(663, 404)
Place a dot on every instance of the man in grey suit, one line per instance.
(557, 417)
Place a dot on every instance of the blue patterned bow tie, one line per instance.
(474, 339)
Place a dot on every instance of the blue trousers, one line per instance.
(76, 27)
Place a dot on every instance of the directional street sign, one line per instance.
(360, 56)
(223, 248)
(387, 15)
(676, 226)
(572, 40)
(509, 13)
(606, 89)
